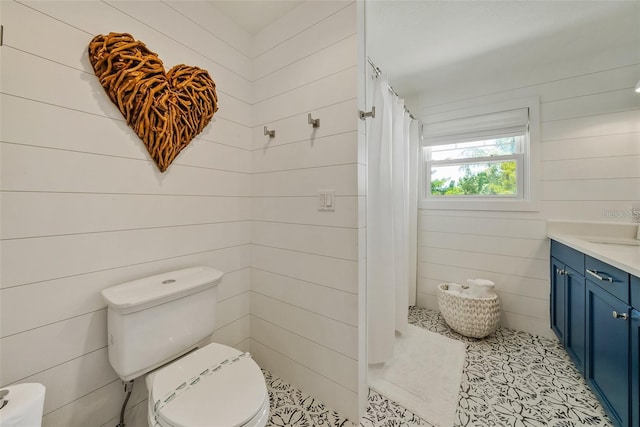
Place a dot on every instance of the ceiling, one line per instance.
(417, 42)
(255, 15)
(409, 40)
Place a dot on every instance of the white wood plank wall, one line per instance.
(590, 128)
(304, 275)
(83, 207)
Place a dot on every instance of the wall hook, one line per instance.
(270, 133)
(313, 122)
(364, 115)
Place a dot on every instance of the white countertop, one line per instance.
(586, 237)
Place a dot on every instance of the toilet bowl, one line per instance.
(215, 386)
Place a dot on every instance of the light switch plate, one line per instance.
(327, 200)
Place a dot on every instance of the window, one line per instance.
(487, 168)
(484, 158)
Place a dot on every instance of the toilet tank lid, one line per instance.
(143, 293)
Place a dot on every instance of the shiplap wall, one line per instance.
(590, 130)
(83, 207)
(304, 275)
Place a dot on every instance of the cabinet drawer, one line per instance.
(609, 278)
(569, 256)
(635, 292)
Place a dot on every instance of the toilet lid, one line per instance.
(221, 386)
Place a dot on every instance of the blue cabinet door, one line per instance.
(635, 367)
(576, 317)
(608, 356)
(558, 300)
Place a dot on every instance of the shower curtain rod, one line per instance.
(378, 72)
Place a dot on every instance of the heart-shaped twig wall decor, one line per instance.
(165, 109)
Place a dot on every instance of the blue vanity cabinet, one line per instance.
(635, 351)
(635, 367)
(568, 300)
(595, 312)
(608, 367)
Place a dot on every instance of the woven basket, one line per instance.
(471, 317)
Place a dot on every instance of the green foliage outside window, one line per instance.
(493, 179)
(483, 178)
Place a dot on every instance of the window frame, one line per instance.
(528, 162)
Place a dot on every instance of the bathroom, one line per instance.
(84, 208)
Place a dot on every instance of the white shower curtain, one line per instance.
(391, 220)
(414, 164)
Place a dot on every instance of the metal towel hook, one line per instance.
(364, 115)
(313, 122)
(269, 133)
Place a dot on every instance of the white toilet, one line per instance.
(155, 320)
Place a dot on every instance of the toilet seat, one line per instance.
(214, 386)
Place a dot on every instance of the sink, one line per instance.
(614, 241)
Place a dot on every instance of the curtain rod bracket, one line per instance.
(364, 115)
(378, 72)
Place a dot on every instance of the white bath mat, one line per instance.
(423, 376)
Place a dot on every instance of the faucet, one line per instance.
(635, 214)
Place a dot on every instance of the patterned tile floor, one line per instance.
(510, 379)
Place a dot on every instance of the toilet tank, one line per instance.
(153, 320)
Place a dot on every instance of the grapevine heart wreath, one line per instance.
(165, 109)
